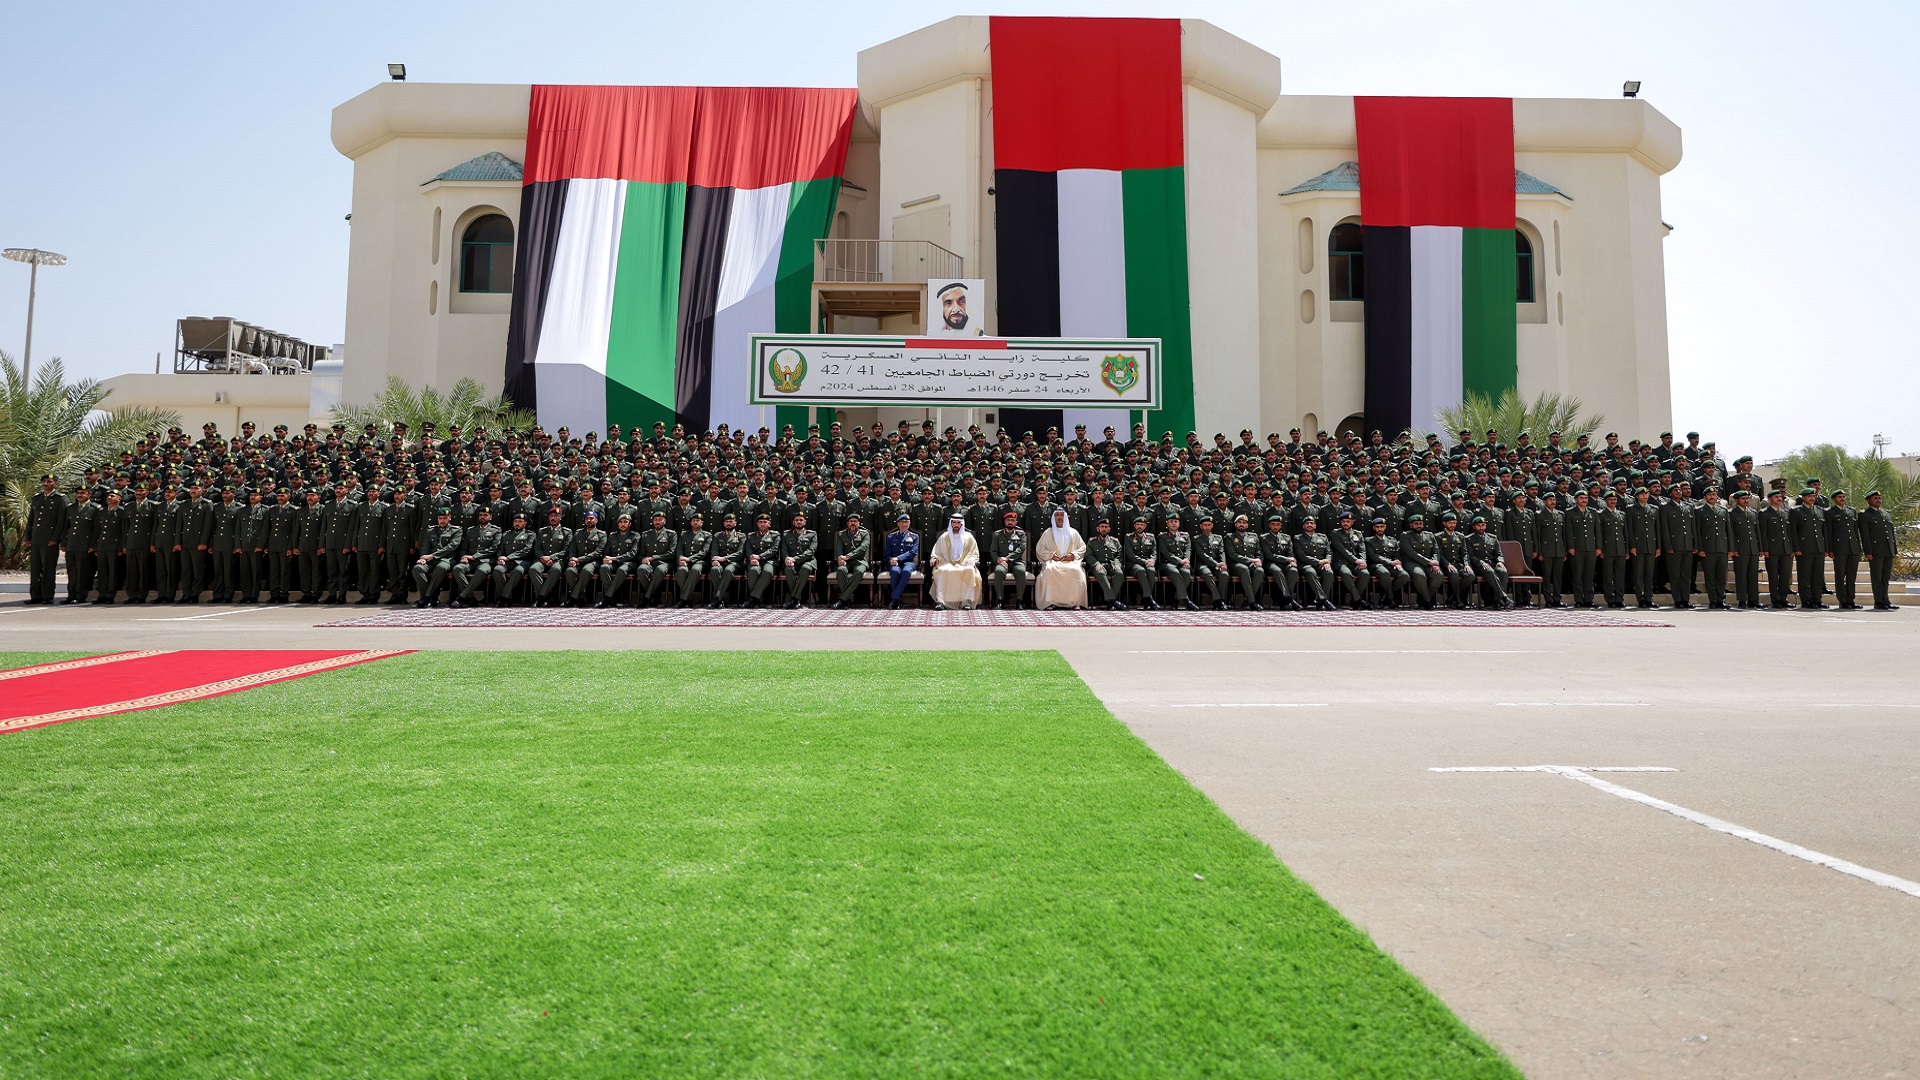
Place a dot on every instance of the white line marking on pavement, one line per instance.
(1572, 705)
(1862, 705)
(1253, 705)
(216, 614)
(1335, 652)
(1774, 843)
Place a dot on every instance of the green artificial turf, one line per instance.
(646, 864)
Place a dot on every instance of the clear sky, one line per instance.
(179, 155)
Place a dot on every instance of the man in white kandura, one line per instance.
(956, 566)
(1063, 580)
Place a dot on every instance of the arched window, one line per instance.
(1346, 263)
(486, 255)
(1522, 268)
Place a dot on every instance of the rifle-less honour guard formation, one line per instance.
(855, 517)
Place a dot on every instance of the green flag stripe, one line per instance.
(1154, 209)
(1489, 350)
(646, 307)
(809, 216)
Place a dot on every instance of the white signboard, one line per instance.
(1077, 373)
(956, 307)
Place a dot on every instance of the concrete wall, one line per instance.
(226, 400)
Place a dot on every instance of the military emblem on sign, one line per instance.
(788, 368)
(1120, 373)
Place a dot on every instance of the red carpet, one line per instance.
(124, 682)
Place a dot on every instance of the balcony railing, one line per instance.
(884, 261)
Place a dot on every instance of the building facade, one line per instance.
(1272, 196)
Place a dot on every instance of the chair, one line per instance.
(1518, 572)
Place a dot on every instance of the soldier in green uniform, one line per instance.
(1516, 524)
(761, 561)
(143, 518)
(311, 562)
(82, 517)
(696, 549)
(852, 555)
(1776, 547)
(46, 526)
(1877, 544)
(1385, 565)
(1313, 555)
(109, 546)
(340, 521)
(1743, 542)
(1583, 548)
(1713, 540)
(799, 556)
(1420, 557)
(369, 545)
(516, 556)
(1143, 555)
(1807, 532)
(659, 557)
(1611, 523)
(1484, 557)
(1843, 547)
(1450, 545)
(723, 560)
(403, 529)
(585, 550)
(437, 557)
(479, 552)
(1247, 566)
(1678, 541)
(1106, 563)
(171, 565)
(1643, 546)
(1550, 550)
(1210, 564)
(1007, 559)
(548, 567)
(1176, 562)
(256, 525)
(1350, 561)
(622, 558)
(228, 522)
(283, 546)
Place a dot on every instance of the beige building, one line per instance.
(1270, 179)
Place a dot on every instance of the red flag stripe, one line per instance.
(1436, 161)
(708, 136)
(1063, 87)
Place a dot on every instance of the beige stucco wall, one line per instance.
(226, 400)
(1270, 350)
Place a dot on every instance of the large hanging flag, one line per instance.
(1089, 153)
(1437, 216)
(659, 227)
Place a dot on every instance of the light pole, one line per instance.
(35, 258)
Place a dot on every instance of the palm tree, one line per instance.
(1510, 416)
(466, 405)
(50, 427)
(1841, 471)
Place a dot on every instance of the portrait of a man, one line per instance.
(956, 308)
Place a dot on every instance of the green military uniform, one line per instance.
(723, 561)
(283, 546)
(403, 530)
(1249, 567)
(1313, 556)
(479, 553)
(143, 518)
(1582, 524)
(1550, 548)
(313, 519)
(1106, 565)
(1611, 523)
(799, 556)
(696, 549)
(46, 526)
(1776, 547)
(852, 556)
(1143, 560)
(1350, 561)
(1210, 565)
(1389, 571)
(256, 524)
(1176, 563)
(514, 559)
(439, 550)
(1484, 558)
(1679, 542)
(585, 551)
(1643, 546)
(1713, 540)
(657, 559)
(1007, 559)
(1743, 541)
(1843, 544)
(1420, 558)
(1807, 531)
(369, 544)
(548, 567)
(1877, 544)
(761, 561)
(82, 518)
(1456, 570)
(109, 546)
(340, 522)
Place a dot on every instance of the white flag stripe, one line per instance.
(1093, 275)
(1434, 254)
(744, 305)
(578, 318)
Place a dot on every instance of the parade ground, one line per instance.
(1664, 844)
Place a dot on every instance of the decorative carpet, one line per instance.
(45, 694)
(864, 618)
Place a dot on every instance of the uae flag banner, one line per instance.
(1437, 218)
(661, 227)
(1090, 198)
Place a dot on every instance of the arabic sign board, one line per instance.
(828, 369)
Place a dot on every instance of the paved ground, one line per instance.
(1586, 934)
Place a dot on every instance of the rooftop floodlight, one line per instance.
(398, 72)
(1630, 88)
(35, 259)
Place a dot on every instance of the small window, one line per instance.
(1522, 268)
(486, 255)
(1346, 263)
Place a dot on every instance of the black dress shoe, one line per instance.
(1190, 605)
(1254, 605)
(420, 603)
